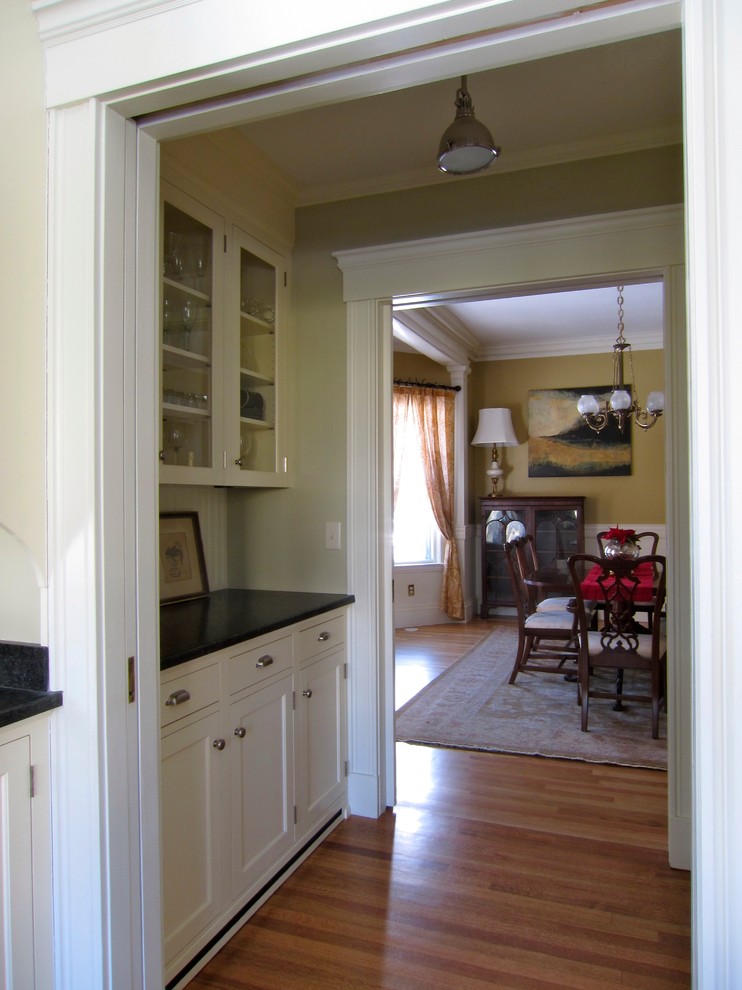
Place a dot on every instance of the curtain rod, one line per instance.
(424, 384)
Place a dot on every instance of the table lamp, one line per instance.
(495, 429)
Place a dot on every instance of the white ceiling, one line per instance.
(593, 101)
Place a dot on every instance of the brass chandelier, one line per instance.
(621, 404)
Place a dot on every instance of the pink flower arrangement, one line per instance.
(622, 536)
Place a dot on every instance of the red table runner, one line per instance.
(645, 590)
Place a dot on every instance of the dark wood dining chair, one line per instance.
(528, 562)
(620, 643)
(648, 540)
(546, 640)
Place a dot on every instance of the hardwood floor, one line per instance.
(491, 871)
(421, 654)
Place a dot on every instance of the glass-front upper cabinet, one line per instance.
(190, 339)
(253, 424)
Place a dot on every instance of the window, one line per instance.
(417, 539)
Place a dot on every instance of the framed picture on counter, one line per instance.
(182, 563)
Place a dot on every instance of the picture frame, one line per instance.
(562, 445)
(182, 564)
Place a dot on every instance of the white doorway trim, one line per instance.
(637, 242)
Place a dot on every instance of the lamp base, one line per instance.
(495, 474)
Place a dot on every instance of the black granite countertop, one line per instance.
(194, 628)
(24, 682)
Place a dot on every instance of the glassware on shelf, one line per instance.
(174, 436)
(187, 324)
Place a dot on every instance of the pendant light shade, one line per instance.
(466, 146)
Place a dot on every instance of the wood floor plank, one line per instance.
(492, 871)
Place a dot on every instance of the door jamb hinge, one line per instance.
(131, 678)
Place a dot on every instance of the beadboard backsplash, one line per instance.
(211, 505)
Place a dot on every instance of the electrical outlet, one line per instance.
(332, 536)
(411, 590)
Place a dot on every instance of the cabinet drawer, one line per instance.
(319, 638)
(187, 693)
(255, 665)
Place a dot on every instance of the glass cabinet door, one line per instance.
(188, 314)
(251, 404)
(557, 534)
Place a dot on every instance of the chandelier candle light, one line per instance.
(621, 404)
(495, 429)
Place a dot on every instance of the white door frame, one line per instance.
(93, 417)
(619, 245)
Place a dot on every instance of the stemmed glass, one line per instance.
(175, 437)
(187, 324)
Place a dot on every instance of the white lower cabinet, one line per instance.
(25, 857)
(261, 768)
(321, 770)
(253, 767)
(191, 798)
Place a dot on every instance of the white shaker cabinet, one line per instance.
(222, 325)
(253, 776)
(25, 856)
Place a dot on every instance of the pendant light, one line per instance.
(466, 146)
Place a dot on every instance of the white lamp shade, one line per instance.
(588, 404)
(620, 399)
(656, 402)
(495, 427)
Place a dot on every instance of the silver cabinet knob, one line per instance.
(178, 697)
(307, 693)
(240, 732)
(265, 661)
(323, 637)
(219, 744)
(238, 461)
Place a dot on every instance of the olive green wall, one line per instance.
(637, 498)
(417, 367)
(285, 531)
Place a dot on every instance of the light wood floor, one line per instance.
(492, 871)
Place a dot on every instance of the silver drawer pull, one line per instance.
(178, 697)
(322, 637)
(265, 661)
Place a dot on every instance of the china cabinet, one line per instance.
(253, 775)
(222, 319)
(556, 523)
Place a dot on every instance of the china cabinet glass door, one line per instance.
(251, 402)
(189, 352)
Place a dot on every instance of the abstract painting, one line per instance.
(562, 445)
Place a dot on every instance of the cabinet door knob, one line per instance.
(265, 661)
(219, 744)
(323, 636)
(240, 732)
(162, 455)
(238, 462)
(307, 693)
(178, 697)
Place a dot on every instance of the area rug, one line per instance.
(472, 706)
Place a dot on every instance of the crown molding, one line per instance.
(65, 20)
(567, 347)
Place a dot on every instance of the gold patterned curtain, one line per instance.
(433, 411)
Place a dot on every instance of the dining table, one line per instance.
(555, 577)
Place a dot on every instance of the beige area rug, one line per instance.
(472, 706)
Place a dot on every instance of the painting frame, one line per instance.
(183, 574)
(562, 445)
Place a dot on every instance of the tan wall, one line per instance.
(22, 330)
(638, 498)
(285, 535)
